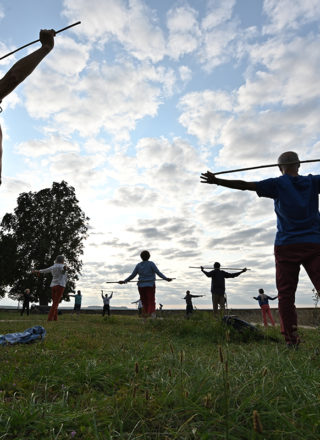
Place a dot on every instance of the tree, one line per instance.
(45, 224)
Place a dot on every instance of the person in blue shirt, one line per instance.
(263, 300)
(146, 283)
(297, 240)
(77, 302)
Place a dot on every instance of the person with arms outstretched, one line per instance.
(59, 280)
(22, 69)
(77, 302)
(297, 239)
(218, 285)
(146, 283)
(264, 305)
(189, 305)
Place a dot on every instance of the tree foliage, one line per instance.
(44, 224)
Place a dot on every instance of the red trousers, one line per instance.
(289, 258)
(147, 296)
(57, 292)
(265, 308)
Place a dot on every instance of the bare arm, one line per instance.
(210, 178)
(24, 67)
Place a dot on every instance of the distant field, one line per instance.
(118, 378)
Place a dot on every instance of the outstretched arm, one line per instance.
(24, 67)
(210, 178)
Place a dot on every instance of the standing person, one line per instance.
(139, 305)
(297, 239)
(146, 284)
(106, 303)
(189, 305)
(264, 305)
(22, 69)
(58, 284)
(77, 302)
(218, 285)
(26, 301)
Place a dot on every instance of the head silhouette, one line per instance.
(289, 162)
(217, 265)
(145, 255)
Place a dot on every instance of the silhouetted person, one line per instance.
(146, 284)
(218, 285)
(26, 301)
(264, 305)
(189, 305)
(106, 303)
(298, 231)
(22, 69)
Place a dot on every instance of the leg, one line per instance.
(108, 309)
(287, 275)
(312, 264)
(222, 304)
(264, 315)
(28, 309)
(215, 301)
(57, 292)
(270, 316)
(103, 310)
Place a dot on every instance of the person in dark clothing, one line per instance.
(26, 302)
(218, 285)
(264, 305)
(189, 305)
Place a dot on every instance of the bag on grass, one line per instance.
(31, 334)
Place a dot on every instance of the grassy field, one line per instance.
(120, 378)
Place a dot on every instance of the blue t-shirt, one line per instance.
(146, 271)
(296, 205)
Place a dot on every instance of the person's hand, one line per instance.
(169, 279)
(244, 270)
(121, 282)
(46, 38)
(208, 177)
(201, 267)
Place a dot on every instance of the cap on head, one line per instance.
(60, 259)
(216, 265)
(145, 255)
(261, 291)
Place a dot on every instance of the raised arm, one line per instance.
(234, 275)
(24, 67)
(242, 185)
(208, 274)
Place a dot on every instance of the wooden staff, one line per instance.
(36, 41)
(266, 166)
(137, 281)
(211, 267)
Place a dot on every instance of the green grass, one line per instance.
(118, 378)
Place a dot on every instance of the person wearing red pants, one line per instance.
(265, 308)
(146, 284)
(58, 284)
(296, 204)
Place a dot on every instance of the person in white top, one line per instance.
(58, 284)
(106, 303)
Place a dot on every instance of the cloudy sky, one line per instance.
(132, 105)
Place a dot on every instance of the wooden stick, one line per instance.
(36, 41)
(265, 166)
(211, 267)
(137, 281)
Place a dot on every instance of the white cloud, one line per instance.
(50, 146)
(220, 11)
(185, 73)
(184, 31)
(287, 14)
(132, 25)
(204, 114)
